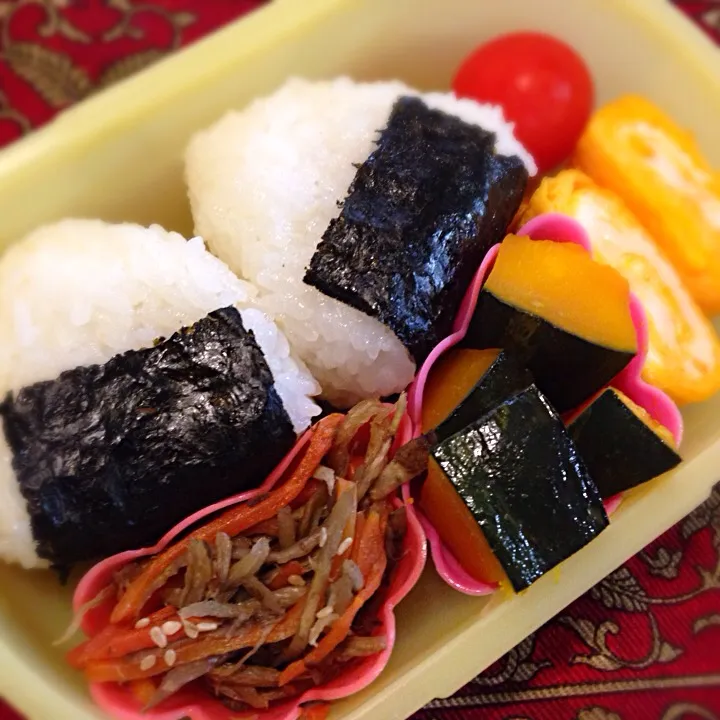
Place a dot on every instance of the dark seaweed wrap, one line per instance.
(521, 477)
(420, 216)
(110, 456)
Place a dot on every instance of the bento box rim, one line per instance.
(29, 688)
(137, 96)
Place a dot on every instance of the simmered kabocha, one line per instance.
(512, 485)
(620, 443)
(563, 316)
(464, 385)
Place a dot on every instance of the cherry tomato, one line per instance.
(542, 84)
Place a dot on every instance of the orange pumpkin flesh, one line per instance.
(449, 383)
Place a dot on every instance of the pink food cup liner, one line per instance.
(194, 702)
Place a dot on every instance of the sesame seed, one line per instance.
(171, 627)
(327, 610)
(323, 537)
(142, 623)
(147, 662)
(207, 626)
(158, 637)
(191, 629)
(170, 657)
(296, 580)
(344, 545)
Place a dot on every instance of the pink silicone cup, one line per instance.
(193, 702)
(559, 228)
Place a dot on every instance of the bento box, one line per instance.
(118, 157)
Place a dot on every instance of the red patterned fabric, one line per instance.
(705, 12)
(54, 53)
(644, 644)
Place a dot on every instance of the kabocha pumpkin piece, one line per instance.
(520, 451)
(620, 444)
(564, 317)
(465, 385)
(448, 513)
(683, 356)
(632, 147)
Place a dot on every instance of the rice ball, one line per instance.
(79, 292)
(264, 183)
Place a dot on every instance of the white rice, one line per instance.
(293, 382)
(16, 541)
(264, 183)
(79, 292)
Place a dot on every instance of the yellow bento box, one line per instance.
(118, 157)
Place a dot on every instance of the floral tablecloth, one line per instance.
(644, 644)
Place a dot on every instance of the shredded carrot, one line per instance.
(266, 527)
(79, 654)
(233, 521)
(280, 578)
(143, 690)
(123, 670)
(306, 493)
(360, 521)
(372, 554)
(116, 641)
(365, 551)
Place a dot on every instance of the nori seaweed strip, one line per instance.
(110, 456)
(420, 215)
(525, 484)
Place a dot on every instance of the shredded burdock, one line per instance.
(270, 598)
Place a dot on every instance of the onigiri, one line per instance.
(80, 294)
(264, 184)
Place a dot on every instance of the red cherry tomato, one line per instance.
(543, 86)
